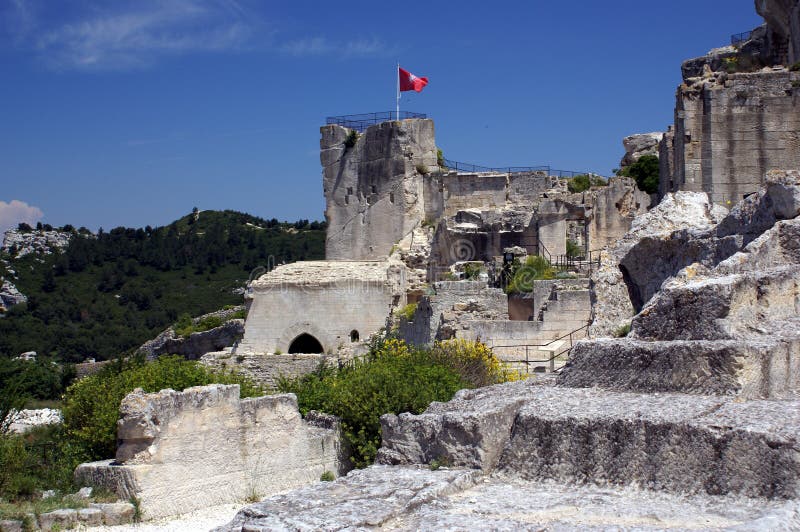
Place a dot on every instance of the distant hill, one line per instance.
(107, 293)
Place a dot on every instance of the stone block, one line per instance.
(10, 525)
(90, 516)
(58, 520)
(116, 513)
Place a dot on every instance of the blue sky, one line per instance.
(132, 113)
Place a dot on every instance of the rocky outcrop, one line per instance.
(180, 451)
(639, 145)
(10, 296)
(27, 419)
(418, 498)
(374, 186)
(783, 20)
(18, 243)
(722, 307)
(622, 281)
(197, 344)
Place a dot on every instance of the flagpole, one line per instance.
(397, 74)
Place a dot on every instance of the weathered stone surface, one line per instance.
(115, 513)
(646, 255)
(639, 145)
(90, 516)
(670, 442)
(58, 520)
(19, 244)
(198, 343)
(469, 431)
(364, 499)
(373, 190)
(500, 503)
(766, 369)
(10, 525)
(266, 369)
(338, 303)
(730, 130)
(204, 446)
(27, 419)
(783, 19)
(10, 296)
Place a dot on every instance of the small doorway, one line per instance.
(305, 343)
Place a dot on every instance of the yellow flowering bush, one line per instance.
(474, 361)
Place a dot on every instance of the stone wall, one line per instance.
(266, 369)
(373, 190)
(731, 129)
(181, 451)
(441, 315)
(328, 300)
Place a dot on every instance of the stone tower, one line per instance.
(373, 185)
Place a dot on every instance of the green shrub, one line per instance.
(473, 361)
(573, 249)
(622, 330)
(535, 268)
(91, 405)
(327, 476)
(472, 271)
(351, 139)
(645, 172)
(392, 379)
(407, 312)
(579, 183)
(422, 169)
(440, 158)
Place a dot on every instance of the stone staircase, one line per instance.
(531, 344)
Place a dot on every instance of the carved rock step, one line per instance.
(416, 498)
(670, 442)
(766, 369)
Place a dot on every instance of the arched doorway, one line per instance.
(305, 343)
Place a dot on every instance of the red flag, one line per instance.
(410, 82)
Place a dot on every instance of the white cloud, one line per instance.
(17, 211)
(124, 35)
(323, 46)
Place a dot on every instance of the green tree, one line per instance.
(645, 172)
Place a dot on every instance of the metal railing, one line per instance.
(588, 261)
(738, 39)
(543, 170)
(362, 121)
(549, 363)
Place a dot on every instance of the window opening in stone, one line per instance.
(354, 335)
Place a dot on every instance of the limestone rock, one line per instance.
(197, 344)
(754, 369)
(364, 499)
(639, 145)
(19, 244)
(58, 520)
(180, 451)
(27, 419)
(114, 513)
(10, 296)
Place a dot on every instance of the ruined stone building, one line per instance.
(399, 221)
(737, 112)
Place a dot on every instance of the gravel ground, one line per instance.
(199, 520)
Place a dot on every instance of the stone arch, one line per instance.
(305, 343)
(305, 327)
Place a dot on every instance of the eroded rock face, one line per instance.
(10, 296)
(179, 451)
(654, 248)
(639, 145)
(197, 344)
(19, 243)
